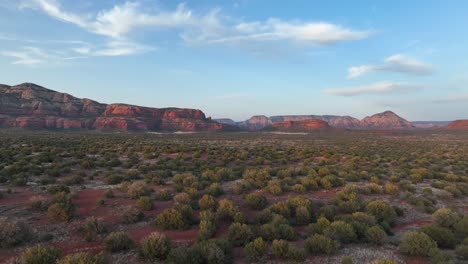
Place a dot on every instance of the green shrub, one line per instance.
(13, 233)
(171, 219)
(207, 229)
(443, 236)
(93, 227)
(280, 248)
(320, 244)
(137, 189)
(58, 189)
(347, 260)
(319, 227)
(164, 195)
(181, 255)
(155, 246)
(274, 187)
(376, 235)
(208, 252)
(257, 177)
(384, 261)
(417, 244)
(256, 201)
(341, 231)
(462, 252)
(382, 211)
(297, 254)
(59, 212)
(215, 190)
(84, 258)
(239, 234)
(118, 241)
(445, 217)
(182, 198)
(144, 203)
(62, 209)
(461, 227)
(40, 255)
(131, 215)
(256, 250)
(226, 209)
(207, 202)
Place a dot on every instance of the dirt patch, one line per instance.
(411, 225)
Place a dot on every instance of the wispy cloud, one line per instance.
(274, 29)
(396, 63)
(385, 87)
(120, 48)
(120, 23)
(209, 28)
(27, 56)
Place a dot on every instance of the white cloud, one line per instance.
(121, 48)
(396, 63)
(121, 20)
(274, 30)
(385, 87)
(27, 56)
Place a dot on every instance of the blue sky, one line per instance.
(241, 58)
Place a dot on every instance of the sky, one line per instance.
(235, 59)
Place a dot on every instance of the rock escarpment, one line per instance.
(307, 125)
(31, 106)
(459, 124)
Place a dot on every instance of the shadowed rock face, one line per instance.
(334, 121)
(459, 124)
(386, 120)
(35, 107)
(299, 126)
(256, 123)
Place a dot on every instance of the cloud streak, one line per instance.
(385, 87)
(209, 28)
(397, 63)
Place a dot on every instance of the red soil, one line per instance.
(416, 260)
(415, 223)
(19, 196)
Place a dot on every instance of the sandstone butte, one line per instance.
(385, 120)
(34, 107)
(300, 126)
(459, 124)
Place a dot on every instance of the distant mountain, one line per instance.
(307, 125)
(255, 123)
(459, 124)
(385, 120)
(429, 124)
(334, 121)
(32, 106)
(226, 121)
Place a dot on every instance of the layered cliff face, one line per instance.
(334, 121)
(386, 120)
(429, 124)
(307, 125)
(458, 124)
(35, 107)
(226, 121)
(256, 123)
